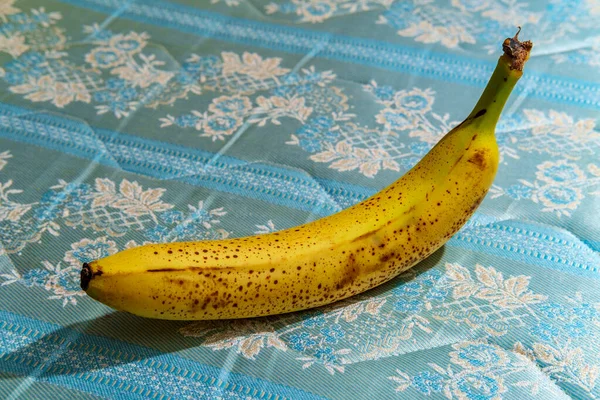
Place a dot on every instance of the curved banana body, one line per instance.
(326, 260)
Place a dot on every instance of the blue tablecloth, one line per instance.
(129, 122)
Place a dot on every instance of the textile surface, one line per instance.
(130, 122)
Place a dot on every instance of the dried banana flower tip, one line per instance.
(517, 51)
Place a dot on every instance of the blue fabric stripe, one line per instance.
(368, 52)
(91, 377)
(515, 254)
(533, 244)
(592, 244)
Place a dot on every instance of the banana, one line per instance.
(328, 259)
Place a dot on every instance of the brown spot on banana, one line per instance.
(480, 113)
(351, 272)
(478, 159)
(387, 257)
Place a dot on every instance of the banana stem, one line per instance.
(506, 75)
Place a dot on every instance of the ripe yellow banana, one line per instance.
(329, 259)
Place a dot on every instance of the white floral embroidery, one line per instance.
(555, 348)
(46, 19)
(561, 124)
(266, 228)
(491, 287)
(486, 368)
(117, 75)
(10, 210)
(88, 250)
(277, 107)
(560, 186)
(103, 57)
(317, 11)
(4, 156)
(347, 146)
(327, 357)
(248, 337)
(451, 24)
(7, 8)
(206, 218)
(344, 157)
(16, 42)
(246, 77)
(143, 75)
(253, 65)
(410, 110)
(105, 206)
(46, 88)
(224, 105)
(14, 45)
(133, 200)
(482, 373)
(426, 32)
